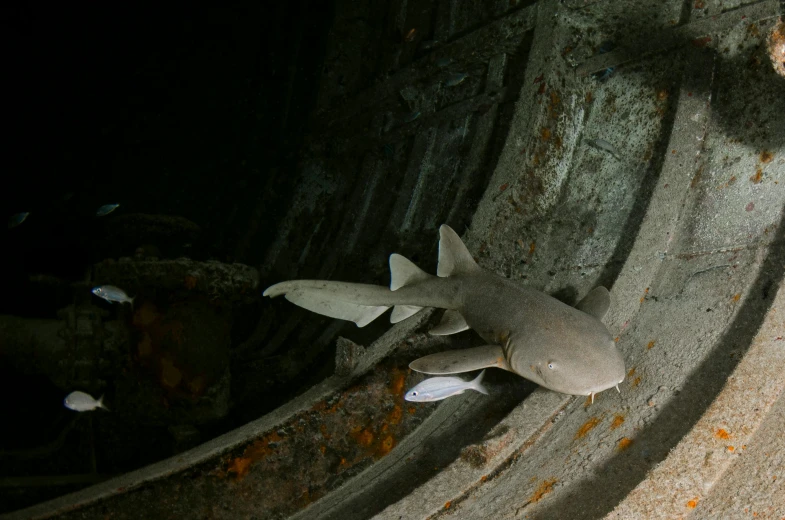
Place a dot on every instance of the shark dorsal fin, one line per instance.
(596, 302)
(453, 255)
(404, 272)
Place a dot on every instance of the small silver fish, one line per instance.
(602, 144)
(106, 209)
(408, 118)
(17, 219)
(113, 294)
(438, 388)
(82, 402)
(455, 79)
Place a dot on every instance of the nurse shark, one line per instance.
(562, 348)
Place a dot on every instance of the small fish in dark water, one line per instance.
(112, 294)
(438, 388)
(106, 209)
(17, 219)
(82, 402)
(408, 118)
(455, 79)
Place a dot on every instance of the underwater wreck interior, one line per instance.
(638, 145)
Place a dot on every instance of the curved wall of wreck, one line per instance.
(655, 168)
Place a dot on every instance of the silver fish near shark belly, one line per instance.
(562, 348)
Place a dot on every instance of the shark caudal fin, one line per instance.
(404, 272)
(454, 258)
(334, 299)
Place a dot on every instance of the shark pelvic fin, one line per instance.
(458, 361)
(452, 323)
(596, 302)
(453, 255)
(401, 312)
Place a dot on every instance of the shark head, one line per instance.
(584, 366)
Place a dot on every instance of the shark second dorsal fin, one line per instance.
(596, 302)
(452, 323)
(458, 361)
(404, 272)
(453, 255)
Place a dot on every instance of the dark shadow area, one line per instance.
(626, 470)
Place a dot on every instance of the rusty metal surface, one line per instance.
(683, 221)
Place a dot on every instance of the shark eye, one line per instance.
(414, 394)
(551, 365)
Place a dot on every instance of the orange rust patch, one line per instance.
(736, 297)
(170, 375)
(545, 488)
(618, 420)
(386, 445)
(589, 97)
(324, 432)
(616, 339)
(145, 315)
(650, 344)
(631, 372)
(395, 414)
(398, 382)
(190, 281)
(731, 449)
(766, 156)
(662, 94)
(587, 427)
(323, 449)
(636, 382)
(624, 443)
(692, 504)
(531, 248)
(722, 434)
(240, 466)
(757, 177)
(483, 478)
(546, 133)
(365, 437)
(447, 504)
(412, 409)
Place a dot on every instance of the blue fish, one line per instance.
(106, 209)
(112, 294)
(17, 219)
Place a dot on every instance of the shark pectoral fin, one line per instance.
(453, 255)
(596, 302)
(316, 301)
(452, 323)
(401, 312)
(457, 361)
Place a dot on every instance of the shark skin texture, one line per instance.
(562, 348)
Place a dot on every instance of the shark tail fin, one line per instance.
(360, 303)
(477, 384)
(321, 303)
(404, 272)
(453, 255)
(101, 404)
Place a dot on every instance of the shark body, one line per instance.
(562, 348)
